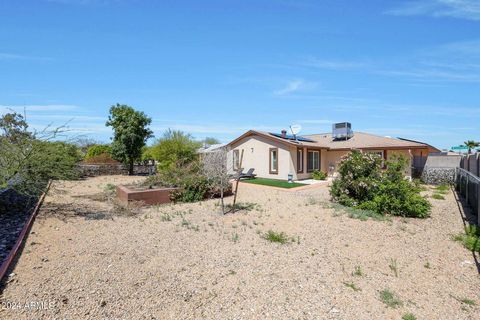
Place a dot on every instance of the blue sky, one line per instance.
(218, 68)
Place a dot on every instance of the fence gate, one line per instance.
(468, 186)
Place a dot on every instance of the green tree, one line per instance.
(131, 132)
(210, 141)
(14, 127)
(97, 150)
(470, 144)
(147, 154)
(175, 148)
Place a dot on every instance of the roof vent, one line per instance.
(342, 131)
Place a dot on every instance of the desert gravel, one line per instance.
(85, 259)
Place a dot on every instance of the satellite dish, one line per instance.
(296, 128)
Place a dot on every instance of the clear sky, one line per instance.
(218, 68)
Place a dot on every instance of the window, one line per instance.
(236, 159)
(299, 160)
(377, 152)
(273, 160)
(313, 160)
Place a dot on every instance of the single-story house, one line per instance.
(210, 148)
(278, 155)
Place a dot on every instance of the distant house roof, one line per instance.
(211, 148)
(360, 140)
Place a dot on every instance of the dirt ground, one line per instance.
(84, 259)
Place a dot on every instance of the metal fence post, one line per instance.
(455, 178)
(478, 164)
(478, 204)
(466, 191)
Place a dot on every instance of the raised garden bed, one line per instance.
(145, 196)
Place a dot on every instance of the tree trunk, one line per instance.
(221, 199)
(130, 169)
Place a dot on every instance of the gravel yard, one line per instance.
(87, 260)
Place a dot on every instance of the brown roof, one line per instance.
(360, 140)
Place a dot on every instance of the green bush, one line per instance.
(193, 185)
(97, 150)
(29, 159)
(173, 149)
(359, 179)
(319, 175)
(55, 160)
(147, 154)
(192, 189)
(279, 237)
(438, 196)
(471, 238)
(364, 185)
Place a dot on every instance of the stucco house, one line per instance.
(278, 155)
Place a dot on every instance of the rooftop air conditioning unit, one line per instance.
(342, 131)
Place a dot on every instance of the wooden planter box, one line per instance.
(147, 196)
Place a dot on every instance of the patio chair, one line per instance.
(248, 174)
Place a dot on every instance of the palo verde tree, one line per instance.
(174, 148)
(130, 133)
(28, 159)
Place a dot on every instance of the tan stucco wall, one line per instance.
(256, 152)
(420, 152)
(334, 157)
(407, 154)
(305, 174)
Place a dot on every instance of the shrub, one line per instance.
(279, 237)
(29, 159)
(409, 316)
(358, 271)
(147, 154)
(438, 196)
(319, 175)
(390, 299)
(194, 188)
(103, 158)
(247, 206)
(364, 185)
(359, 178)
(471, 238)
(54, 160)
(442, 189)
(352, 286)
(174, 148)
(193, 185)
(98, 149)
